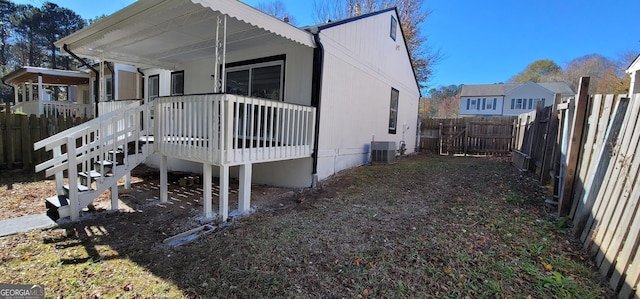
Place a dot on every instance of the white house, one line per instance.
(507, 99)
(634, 71)
(256, 97)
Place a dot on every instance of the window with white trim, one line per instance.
(261, 80)
(394, 28)
(393, 111)
(108, 88)
(177, 83)
(154, 87)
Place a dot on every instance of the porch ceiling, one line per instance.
(163, 33)
(49, 76)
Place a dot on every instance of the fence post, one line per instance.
(573, 153)
(550, 142)
(27, 144)
(3, 133)
(465, 141)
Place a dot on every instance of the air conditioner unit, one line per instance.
(383, 151)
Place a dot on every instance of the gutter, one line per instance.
(65, 47)
(316, 96)
(142, 85)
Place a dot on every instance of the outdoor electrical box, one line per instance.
(383, 151)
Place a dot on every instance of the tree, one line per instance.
(411, 14)
(539, 71)
(605, 77)
(277, 9)
(7, 9)
(29, 43)
(58, 22)
(443, 101)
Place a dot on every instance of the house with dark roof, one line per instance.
(508, 99)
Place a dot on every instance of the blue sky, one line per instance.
(487, 41)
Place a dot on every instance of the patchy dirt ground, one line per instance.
(426, 226)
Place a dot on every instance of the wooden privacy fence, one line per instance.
(468, 135)
(18, 133)
(593, 141)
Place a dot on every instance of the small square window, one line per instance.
(519, 104)
(394, 28)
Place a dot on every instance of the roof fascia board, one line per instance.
(130, 14)
(250, 15)
(349, 20)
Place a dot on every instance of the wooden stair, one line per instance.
(93, 156)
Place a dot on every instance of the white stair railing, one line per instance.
(108, 146)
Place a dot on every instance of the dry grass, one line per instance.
(427, 226)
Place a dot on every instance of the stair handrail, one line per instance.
(60, 138)
(57, 140)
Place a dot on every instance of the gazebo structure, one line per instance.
(31, 86)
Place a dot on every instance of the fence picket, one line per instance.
(606, 193)
(18, 133)
(468, 136)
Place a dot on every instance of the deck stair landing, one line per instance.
(92, 157)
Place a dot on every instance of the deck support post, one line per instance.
(224, 193)
(244, 194)
(164, 188)
(206, 187)
(114, 197)
(127, 180)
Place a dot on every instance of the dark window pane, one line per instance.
(238, 82)
(154, 86)
(265, 82)
(393, 111)
(177, 83)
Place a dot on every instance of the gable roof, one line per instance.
(319, 27)
(502, 89)
(634, 65)
(499, 89)
(330, 24)
(163, 33)
(558, 87)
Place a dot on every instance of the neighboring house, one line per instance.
(634, 71)
(507, 99)
(257, 98)
(32, 90)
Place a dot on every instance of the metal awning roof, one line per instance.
(49, 76)
(163, 33)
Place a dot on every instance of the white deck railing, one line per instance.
(54, 108)
(66, 109)
(227, 129)
(110, 106)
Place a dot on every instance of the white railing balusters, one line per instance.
(231, 130)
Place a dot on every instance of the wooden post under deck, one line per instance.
(224, 193)
(114, 196)
(206, 187)
(244, 194)
(164, 188)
